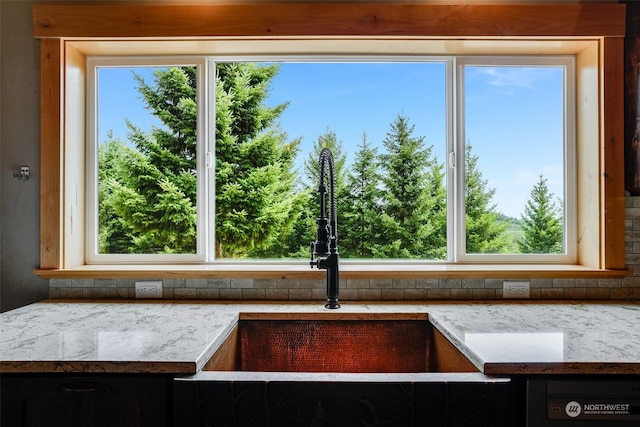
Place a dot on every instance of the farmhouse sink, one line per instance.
(345, 345)
(348, 370)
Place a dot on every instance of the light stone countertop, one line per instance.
(178, 337)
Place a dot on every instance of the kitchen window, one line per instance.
(175, 172)
(237, 32)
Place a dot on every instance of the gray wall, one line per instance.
(19, 145)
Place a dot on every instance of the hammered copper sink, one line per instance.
(346, 345)
(341, 370)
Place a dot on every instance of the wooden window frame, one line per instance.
(594, 33)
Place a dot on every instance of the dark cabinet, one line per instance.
(84, 401)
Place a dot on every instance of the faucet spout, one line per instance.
(324, 251)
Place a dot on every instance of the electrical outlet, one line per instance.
(149, 289)
(515, 290)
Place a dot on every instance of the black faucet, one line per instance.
(325, 248)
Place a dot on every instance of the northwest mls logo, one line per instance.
(573, 409)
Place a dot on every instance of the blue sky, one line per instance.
(513, 115)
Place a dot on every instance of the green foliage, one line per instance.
(541, 222)
(390, 205)
(360, 227)
(306, 226)
(256, 206)
(411, 208)
(147, 188)
(484, 233)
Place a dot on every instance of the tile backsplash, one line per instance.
(377, 289)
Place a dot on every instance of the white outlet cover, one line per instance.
(149, 289)
(512, 289)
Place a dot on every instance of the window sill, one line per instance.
(347, 271)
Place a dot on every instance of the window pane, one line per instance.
(514, 159)
(386, 125)
(146, 129)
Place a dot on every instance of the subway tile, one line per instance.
(540, 283)
(610, 283)
(484, 294)
(321, 294)
(313, 284)
(105, 283)
(174, 283)
(438, 294)
(575, 293)
(116, 293)
(418, 294)
(564, 283)
(185, 293)
(381, 283)
(450, 283)
(489, 284)
(82, 283)
(300, 294)
(427, 283)
(552, 293)
(345, 294)
(219, 283)
(264, 283)
(404, 283)
(241, 283)
(471, 284)
(287, 284)
(461, 294)
(357, 283)
(277, 294)
(71, 292)
(207, 293)
(392, 294)
(196, 283)
(231, 294)
(621, 293)
(93, 293)
(586, 283)
(369, 294)
(597, 293)
(251, 294)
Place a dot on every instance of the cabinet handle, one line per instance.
(84, 388)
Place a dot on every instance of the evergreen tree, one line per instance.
(436, 246)
(256, 206)
(541, 222)
(114, 236)
(360, 234)
(330, 140)
(408, 220)
(148, 190)
(306, 226)
(484, 233)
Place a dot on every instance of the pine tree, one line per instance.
(306, 225)
(360, 234)
(330, 140)
(541, 222)
(148, 191)
(408, 221)
(114, 236)
(484, 233)
(256, 206)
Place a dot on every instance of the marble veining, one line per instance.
(179, 337)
